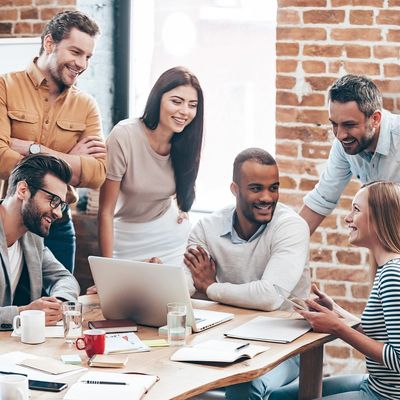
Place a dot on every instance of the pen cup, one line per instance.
(176, 323)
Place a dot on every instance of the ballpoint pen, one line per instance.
(12, 373)
(242, 346)
(105, 383)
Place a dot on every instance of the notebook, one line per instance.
(114, 325)
(218, 351)
(140, 291)
(268, 329)
(133, 387)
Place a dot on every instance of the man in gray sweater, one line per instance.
(237, 254)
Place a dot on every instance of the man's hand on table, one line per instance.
(202, 268)
(50, 305)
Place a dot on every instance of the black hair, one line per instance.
(34, 168)
(256, 154)
(185, 147)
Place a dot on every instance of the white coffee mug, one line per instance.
(14, 387)
(30, 325)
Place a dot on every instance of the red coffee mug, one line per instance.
(93, 342)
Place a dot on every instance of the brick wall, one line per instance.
(23, 18)
(318, 41)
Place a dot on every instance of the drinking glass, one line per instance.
(72, 318)
(176, 322)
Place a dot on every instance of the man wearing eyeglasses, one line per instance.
(42, 111)
(366, 145)
(35, 199)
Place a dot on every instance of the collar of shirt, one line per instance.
(35, 74)
(383, 145)
(229, 231)
(38, 79)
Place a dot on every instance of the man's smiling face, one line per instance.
(352, 128)
(257, 192)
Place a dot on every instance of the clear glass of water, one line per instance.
(176, 322)
(72, 319)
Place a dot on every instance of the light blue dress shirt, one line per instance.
(229, 231)
(384, 164)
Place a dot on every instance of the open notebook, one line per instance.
(217, 351)
(133, 386)
(279, 330)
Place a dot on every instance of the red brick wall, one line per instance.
(318, 41)
(22, 18)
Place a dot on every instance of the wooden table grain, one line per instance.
(179, 380)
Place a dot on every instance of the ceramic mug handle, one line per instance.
(78, 341)
(17, 324)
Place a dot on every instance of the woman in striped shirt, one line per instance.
(374, 223)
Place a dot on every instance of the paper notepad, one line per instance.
(279, 330)
(124, 343)
(218, 351)
(106, 361)
(49, 365)
(136, 386)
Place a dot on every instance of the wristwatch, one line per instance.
(35, 148)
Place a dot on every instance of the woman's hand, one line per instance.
(321, 319)
(323, 299)
(182, 216)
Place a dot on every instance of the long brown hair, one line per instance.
(185, 147)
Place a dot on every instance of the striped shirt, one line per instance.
(381, 322)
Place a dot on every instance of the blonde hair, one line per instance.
(384, 213)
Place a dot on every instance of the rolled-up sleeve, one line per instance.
(93, 169)
(9, 158)
(325, 196)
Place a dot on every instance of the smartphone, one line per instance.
(47, 386)
(289, 297)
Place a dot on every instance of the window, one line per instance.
(230, 46)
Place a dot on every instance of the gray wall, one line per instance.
(98, 80)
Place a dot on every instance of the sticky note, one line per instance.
(71, 359)
(156, 343)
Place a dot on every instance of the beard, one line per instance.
(363, 143)
(56, 75)
(32, 219)
(250, 214)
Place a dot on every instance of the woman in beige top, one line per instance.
(151, 162)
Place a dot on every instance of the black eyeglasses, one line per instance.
(55, 200)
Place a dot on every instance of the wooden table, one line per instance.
(184, 380)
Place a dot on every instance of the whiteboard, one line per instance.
(17, 53)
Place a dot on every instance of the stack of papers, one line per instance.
(93, 386)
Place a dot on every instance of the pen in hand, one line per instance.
(105, 383)
(242, 346)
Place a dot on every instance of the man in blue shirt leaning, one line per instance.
(366, 145)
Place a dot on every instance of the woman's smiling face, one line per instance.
(361, 232)
(178, 108)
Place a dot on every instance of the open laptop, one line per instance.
(141, 291)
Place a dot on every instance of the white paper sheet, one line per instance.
(8, 363)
